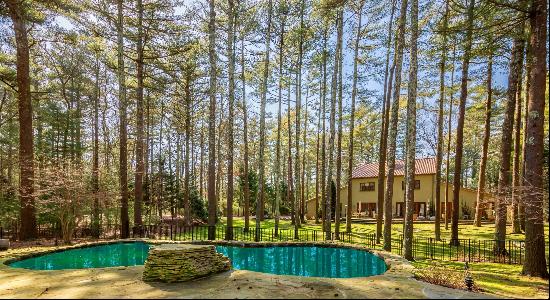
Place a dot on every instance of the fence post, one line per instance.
(509, 252)
(468, 250)
(484, 250)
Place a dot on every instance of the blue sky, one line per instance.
(372, 83)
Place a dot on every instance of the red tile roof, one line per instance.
(423, 166)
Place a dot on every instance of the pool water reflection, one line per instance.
(307, 261)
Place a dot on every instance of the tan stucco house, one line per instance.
(365, 192)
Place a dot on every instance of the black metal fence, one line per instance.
(184, 233)
(54, 232)
(509, 251)
(463, 250)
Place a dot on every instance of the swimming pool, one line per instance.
(101, 256)
(309, 261)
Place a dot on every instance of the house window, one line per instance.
(416, 185)
(370, 186)
(366, 186)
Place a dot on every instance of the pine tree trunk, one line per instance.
(201, 166)
(290, 181)
(26, 155)
(278, 143)
(298, 186)
(148, 158)
(211, 189)
(504, 175)
(352, 118)
(179, 168)
(95, 156)
(332, 123)
(123, 154)
(219, 157)
(528, 68)
(192, 153)
(231, 97)
(411, 134)
(392, 126)
(78, 134)
(457, 180)
(186, 188)
(304, 188)
(383, 132)
(105, 130)
(440, 116)
(323, 183)
(535, 257)
(317, 158)
(339, 139)
(484, 152)
(160, 182)
(517, 136)
(140, 168)
(173, 204)
(261, 173)
(245, 142)
(449, 129)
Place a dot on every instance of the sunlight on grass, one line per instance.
(500, 279)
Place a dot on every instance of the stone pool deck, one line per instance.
(126, 282)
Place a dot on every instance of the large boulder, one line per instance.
(183, 262)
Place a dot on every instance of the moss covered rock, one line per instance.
(177, 263)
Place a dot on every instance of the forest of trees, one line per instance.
(119, 113)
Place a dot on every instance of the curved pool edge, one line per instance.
(394, 263)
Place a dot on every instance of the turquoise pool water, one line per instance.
(307, 261)
(111, 255)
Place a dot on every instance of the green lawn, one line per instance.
(465, 231)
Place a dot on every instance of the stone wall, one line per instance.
(176, 263)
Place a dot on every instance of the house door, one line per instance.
(371, 208)
(420, 208)
(361, 207)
